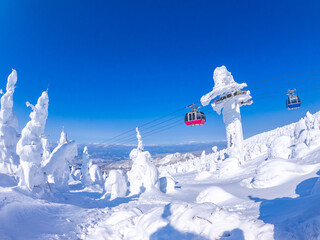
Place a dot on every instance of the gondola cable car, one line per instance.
(293, 101)
(195, 117)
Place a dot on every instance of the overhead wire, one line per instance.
(132, 136)
(158, 130)
(276, 95)
(283, 92)
(288, 76)
(145, 124)
(133, 132)
(145, 134)
(278, 84)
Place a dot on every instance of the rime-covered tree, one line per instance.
(29, 147)
(9, 159)
(60, 160)
(143, 174)
(91, 173)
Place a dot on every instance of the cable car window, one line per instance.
(193, 116)
(294, 100)
(198, 116)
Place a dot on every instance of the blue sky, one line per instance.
(113, 65)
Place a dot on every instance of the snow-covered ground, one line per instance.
(273, 195)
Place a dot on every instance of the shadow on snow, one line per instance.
(286, 214)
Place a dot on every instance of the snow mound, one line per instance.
(209, 221)
(278, 171)
(280, 148)
(174, 158)
(59, 162)
(214, 195)
(203, 175)
(167, 182)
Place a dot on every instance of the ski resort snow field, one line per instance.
(261, 188)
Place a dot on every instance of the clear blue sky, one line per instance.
(112, 65)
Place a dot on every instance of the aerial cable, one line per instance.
(276, 78)
(278, 84)
(168, 128)
(162, 127)
(277, 95)
(150, 127)
(154, 131)
(132, 135)
(276, 92)
(145, 124)
(122, 140)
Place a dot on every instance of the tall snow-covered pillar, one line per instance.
(9, 160)
(29, 147)
(231, 98)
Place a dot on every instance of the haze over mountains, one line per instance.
(105, 153)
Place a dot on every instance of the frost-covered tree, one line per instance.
(29, 147)
(230, 101)
(143, 174)
(86, 163)
(115, 185)
(60, 160)
(9, 159)
(91, 173)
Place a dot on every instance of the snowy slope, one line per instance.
(274, 194)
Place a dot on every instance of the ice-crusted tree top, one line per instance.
(63, 137)
(140, 144)
(139, 150)
(38, 117)
(223, 83)
(40, 111)
(85, 156)
(7, 98)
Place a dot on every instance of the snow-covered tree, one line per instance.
(60, 160)
(230, 101)
(86, 163)
(115, 185)
(29, 147)
(91, 173)
(9, 159)
(143, 174)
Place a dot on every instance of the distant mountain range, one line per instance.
(104, 153)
